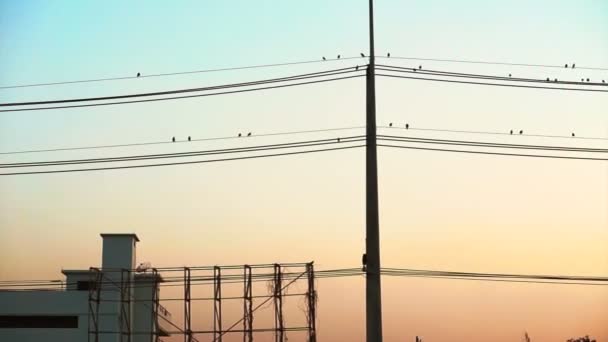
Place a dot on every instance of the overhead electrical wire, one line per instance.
(488, 133)
(180, 163)
(489, 144)
(485, 83)
(255, 148)
(258, 66)
(433, 72)
(491, 63)
(322, 80)
(492, 153)
(231, 137)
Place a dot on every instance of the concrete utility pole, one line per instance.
(372, 242)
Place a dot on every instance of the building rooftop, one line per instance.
(103, 235)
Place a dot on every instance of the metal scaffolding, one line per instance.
(278, 277)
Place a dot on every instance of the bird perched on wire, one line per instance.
(338, 56)
(420, 67)
(357, 67)
(390, 124)
(521, 132)
(407, 126)
(189, 138)
(573, 65)
(173, 139)
(138, 74)
(249, 134)
(511, 132)
(388, 55)
(572, 133)
(509, 75)
(364, 262)
(548, 79)
(240, 135)
(555, 80)
(338, 139)
(324, 58)
(362, 55)
(566, 66)
(587, 80)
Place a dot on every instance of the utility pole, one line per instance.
(373, 301)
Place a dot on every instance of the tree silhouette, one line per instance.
(581, 339)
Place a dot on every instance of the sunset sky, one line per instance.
(438, 210)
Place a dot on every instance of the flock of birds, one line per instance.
(190, 138)
(521, 131)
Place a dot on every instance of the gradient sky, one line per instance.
(438, 211)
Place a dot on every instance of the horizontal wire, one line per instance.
(232, 137)
(493, 153)
(190, 90)
(179, 163)
(491, 63)
(490, 133)
(178, 73)
(490, 144)
(432, 72)
(255, 148)
(492, 84)
(185, 96)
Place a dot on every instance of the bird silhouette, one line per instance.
(240, 135)
(587, 80)
(357, 67)
(249, 134)
(566, 66)
(521, 132)
(390, 124)
(572, 133)
(338, 139)
(511, 132)
(548, 79)
(603, 81)
(138, 74)
(509, 75)
(362, 55)
(414, 69)
(555, 80)
(173, 139)
(364, 262)
(420, 67)
(189, 138)
(573, 65)
(582, 80)
(324, 58)
(388, 55)
(407, 126)
(338, 56)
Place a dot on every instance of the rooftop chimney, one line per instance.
(118, 251)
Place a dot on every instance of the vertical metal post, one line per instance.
(155, 305)
(278, 304)
(187, 306)
(311, 299)
(217, 304)
(94, 302)
(372, 241)
(125, 305)
(247, 305)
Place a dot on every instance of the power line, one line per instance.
(256, 148)
(184, 97)
(179, 73)
(490, 62)
(490, 144)
(491, 84)
(493, 153)
(490, 133)
(180, 163)
(190, 90)
(232, 137)
(433, 72)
